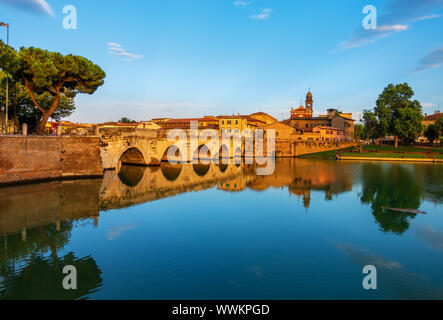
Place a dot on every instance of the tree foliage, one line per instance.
(127, 120)
(434, 131)
(22, 109)
(360, 132)
(397, 114)
(50, 77)
(372, 126)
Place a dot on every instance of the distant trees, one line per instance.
(371, 124)
(360, 132)
(395, 114)
(434, 131)
(126, 120)
(51, 80)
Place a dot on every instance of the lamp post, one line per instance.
(6, 25)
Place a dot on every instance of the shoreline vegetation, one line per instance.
(382, 153)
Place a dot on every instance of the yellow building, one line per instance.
(159, 121)
(148, 125)
(428, 120)
(330, 133)
(282, 131)
(264, 117)
(118, 125)
(238, 124)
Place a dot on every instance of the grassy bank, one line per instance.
(323, 155)
(381, 152)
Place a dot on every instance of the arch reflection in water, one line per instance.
(201, 169)
(223, 167)
(171, 171)
(131, 175)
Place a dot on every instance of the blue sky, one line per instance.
(185, 58)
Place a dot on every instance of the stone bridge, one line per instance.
(151, 147)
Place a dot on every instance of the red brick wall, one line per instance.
(24, 159)
(81, 156)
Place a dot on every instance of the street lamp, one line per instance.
(6, 25)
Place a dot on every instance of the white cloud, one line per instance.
(432, 60)
(395, 27)
(398, 14)
(433, 16)
(40, 6)
(428, 105)
(117, 49)
(263, 15)
(113, 44)
(116, 232)
(242, 3)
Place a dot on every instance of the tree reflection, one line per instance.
(394, 186)
(31, 268)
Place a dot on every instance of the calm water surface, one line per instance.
(221, 232)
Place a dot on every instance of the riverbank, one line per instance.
(383, 153)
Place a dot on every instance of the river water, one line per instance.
(222, 232)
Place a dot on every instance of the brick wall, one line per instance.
(81, 156)
(34, 158)
(293, 148)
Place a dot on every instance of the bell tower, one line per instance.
(309, 103)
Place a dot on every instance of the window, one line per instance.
(236, 121)
(229, 121)
(223, 121)
(276, 134)
(307, 125)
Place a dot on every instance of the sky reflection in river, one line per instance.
(222, 232)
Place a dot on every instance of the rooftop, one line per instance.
(433, 117)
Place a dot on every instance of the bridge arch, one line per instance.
(224, 151)
(131, 156)
(176, 155)
(202, 153)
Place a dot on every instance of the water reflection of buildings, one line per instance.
(36, 221)
(302, 176)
